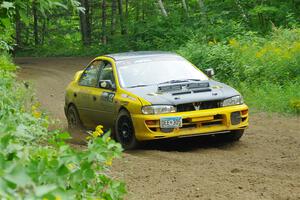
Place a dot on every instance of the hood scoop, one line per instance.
(202, 90)
(180, 93)
(169, 88)
(186, 86)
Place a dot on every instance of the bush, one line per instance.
(265, 69)
(37, 164)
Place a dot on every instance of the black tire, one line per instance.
(232, 136)
(74, 122)
(124, 131)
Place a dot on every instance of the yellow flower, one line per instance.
(108, 139)
(295, 104)
(233, 42)
(98, 131)
(261, 53)
(57, 198)
(22, 109)
(37, 114)
(33, 107)
(99, 128)
(88, 138)
(109, 162)
(210, 43)
(296, 46)
(37, 104)
(277, 51)
(213, 42)
(287, 55)
(71, 166)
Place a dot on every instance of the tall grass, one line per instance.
(265, 69)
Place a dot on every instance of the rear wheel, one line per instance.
(74, 122)
(124, 131)
(232, 136)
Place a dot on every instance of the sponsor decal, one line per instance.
(108, 96)
(128, 97)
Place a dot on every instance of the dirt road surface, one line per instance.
(265, 164)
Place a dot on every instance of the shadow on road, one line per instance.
(188, 144)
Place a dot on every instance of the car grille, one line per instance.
(198, 106)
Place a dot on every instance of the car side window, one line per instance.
(106, 73)
(91, 74)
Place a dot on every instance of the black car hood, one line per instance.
(215, 91)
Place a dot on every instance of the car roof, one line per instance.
(139, 54)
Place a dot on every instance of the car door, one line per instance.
(85, 97)
(104, 107)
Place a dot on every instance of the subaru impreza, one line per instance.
(153, 95)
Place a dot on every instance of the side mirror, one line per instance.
(106, 84)
(210, 72)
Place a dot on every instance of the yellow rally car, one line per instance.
(153, 95)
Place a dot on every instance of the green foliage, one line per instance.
(6, 29)
(266, 69)
(271, 97)
(37, 164)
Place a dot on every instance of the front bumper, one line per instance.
(200, 122)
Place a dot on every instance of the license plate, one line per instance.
(170, 122)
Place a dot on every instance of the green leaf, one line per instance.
(63, 170)
(44, 189)
(60, 5)
(7, 5)
(24, 17)
(18, 176)
(6, 22)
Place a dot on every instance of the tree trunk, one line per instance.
(185, 7)
(203, 10)
(127, 10)
(85, 26)
(162, 8)
(122, 24)
(143, 10)
(104, 37)
(18, 29)
(88, 21)
(43, 31)
(113, 17)
(35, 23)
(83, 29)
(137, 10)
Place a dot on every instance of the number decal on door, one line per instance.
(108, 96)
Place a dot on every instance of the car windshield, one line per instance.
(141, 72)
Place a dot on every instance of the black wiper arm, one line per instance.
(193, 79)
(174, 81)
(180, 81)
(135, 86)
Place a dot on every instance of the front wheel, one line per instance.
(124, 131)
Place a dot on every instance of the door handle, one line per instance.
(94, 98)
(75, 95)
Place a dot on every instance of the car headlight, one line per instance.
(236, 100)
(158, 109)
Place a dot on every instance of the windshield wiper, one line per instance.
(180, 81)
(135, 86)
